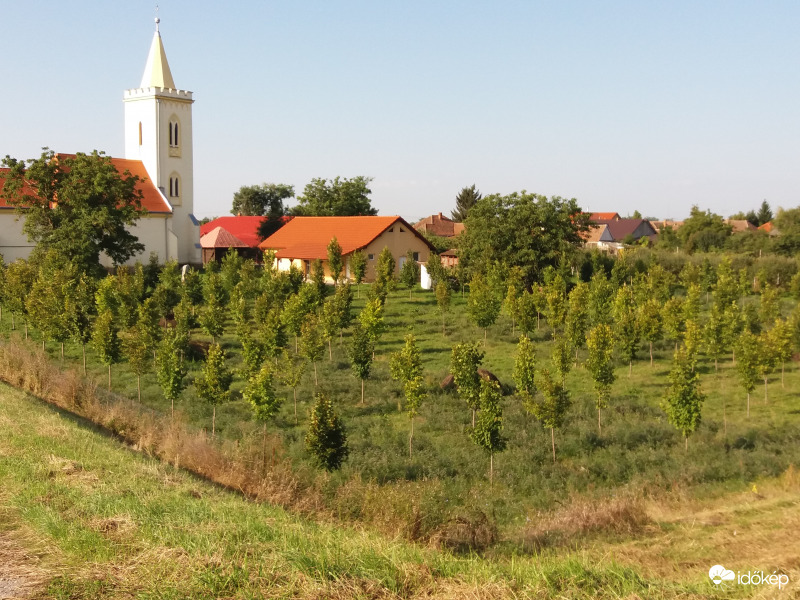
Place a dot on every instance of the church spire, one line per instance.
(156, 71)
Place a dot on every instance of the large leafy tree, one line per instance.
(703, 231)
(465, 200)
(523, 229)
(338, 197)
(80, 206)
(262, 200)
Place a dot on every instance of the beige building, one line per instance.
(305, 239)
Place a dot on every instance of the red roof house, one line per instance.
(439, 225)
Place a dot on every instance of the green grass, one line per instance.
(108, 522)
(447, 478)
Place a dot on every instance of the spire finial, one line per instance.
(157, 19)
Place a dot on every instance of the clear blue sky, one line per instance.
(623, 105)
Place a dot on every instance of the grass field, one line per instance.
(83, 516)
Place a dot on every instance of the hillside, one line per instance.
(86, 517)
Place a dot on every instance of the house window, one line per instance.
(402, 230)
(391, 229)
(371, 256)
(416, 256)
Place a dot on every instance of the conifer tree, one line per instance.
(443, 301)
(464, 363)
(335, 261)
(600, 344)
(106, 341)
(213, 384)
(326, 439)
(170, 367)
(683, 402)
(360, 353)
(552, 409)
(487, 431)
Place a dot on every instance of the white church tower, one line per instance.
(158, 132)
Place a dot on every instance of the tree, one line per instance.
(769, 307)
(318, 279)
(577, 321)
(525, 371)
(78, 309)
(335, 198)
(358, 267)
(361, 353)
(136, 350)
(330, 322)
(212, 317)
(384, 274)
(415, 394)
(260, 394)
(79, 206)
(20, 276)
(527, 312)
(435, 268)
(291, 374)
(487, 432)
(312, 345)
(601, 298)
(650, 323)
(443, 301)
(106, 341)
(732, 326)
(170, 368)
(465, 200)
(409, 272)
(483, 303)
(600, 344)
(405, 367)
(561, 357)
(295, 310)
(747, 365)
(767, 358)
(683, 402)
(464, 362)
(47, 302)
(335, 262)
(326, 439)
(626, 329)
(522, 229)
(552, 409)
(764, 214)
(213, 384)
(703, 231)
(714, 335)
(265, 200)
(371, 320)
(555, 295)
(781, 342)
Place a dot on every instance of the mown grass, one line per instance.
(445, 484)
(113, 523)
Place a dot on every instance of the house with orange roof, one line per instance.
(769, 228)
(601, 217)
(305, 239)
(439, 225)
(158, 149)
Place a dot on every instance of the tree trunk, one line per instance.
(553, 442)
(724, 418)
(630, 368)
(362, 392)
(599, 427)
(83, 347)
(43, 348)
(109, 377)
(264, 452)
(444, 333)
(13, 324)
(315, 375)
(411, 437)
(783, 365)
(651, 353)
(213, 421)
(62, 352)
(295, 405)
(330, 350)
(748, 405)
(473, 418)
(715, 365)
(537, 320)
(172, 409)
(295, 345)
(491, 468)
(26, 330)
(484, 337)
(139, 387)
(733, 357)
(686, 443)
(765, 391)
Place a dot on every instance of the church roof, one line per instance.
(221, 238)
(308, 237)
(152, 199)
(156, 71)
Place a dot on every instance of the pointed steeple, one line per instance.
(156, 71)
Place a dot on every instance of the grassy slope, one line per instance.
(107, 522)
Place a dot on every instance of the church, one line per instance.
(158, 148)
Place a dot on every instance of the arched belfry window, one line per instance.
(174, 136)
(175, 188)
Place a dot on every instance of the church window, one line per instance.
(175, 188)
(174, 136)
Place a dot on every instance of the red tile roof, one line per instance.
(604, 216)
(739, 225)
(243, 227)
(768, 227)
(439, 225)
(221, 238)
(152, 199)
(308, 237)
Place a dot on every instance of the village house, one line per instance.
(305, 239)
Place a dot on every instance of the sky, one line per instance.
(623, 105)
